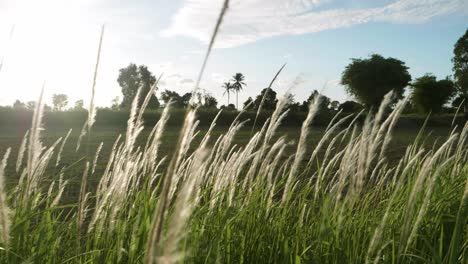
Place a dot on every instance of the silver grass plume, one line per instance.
(4, 210)
(21, 151)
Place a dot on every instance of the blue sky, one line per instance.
(56, 42)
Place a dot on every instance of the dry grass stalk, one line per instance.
(59, 155)
(92, 107)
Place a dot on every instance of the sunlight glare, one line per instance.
(53, 42)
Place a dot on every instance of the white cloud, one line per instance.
(175, 75)
(220, 77)
(287, 56)
(250, 20)
(187, 80)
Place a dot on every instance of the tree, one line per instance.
(269, 103)
(350, 107)
(177, 100)
(18, 105)
(409, 108)
(238, 85)
(229, 107)
(457, 102)
(185, 100)
(31, 105)
(369, 80)
(173, 96)
(324, 102)
(249, 103)
(335, 105)
(60, 101)
(131, 79)
(115, 106)
(430, 94)
(460, 69)
(291, 103)
(227, 86)
(290, 99)
(198, 98)
(79, 105)
(210, 101)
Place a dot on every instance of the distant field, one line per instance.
(11, 118)
(11, 137)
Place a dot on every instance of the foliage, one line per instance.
(457, 102)
(209, 101)
(324, 102)
(117, 120)
(229, 107)
(369, 80)
(430, 94)
(115, 103)
(131, 79)
(174, 97)
(460, 68)
(249, 104)
(185, 99)
(19, 105)
(291, 104)
(31, 105)
(227, 87)
(79, 106)
(334, 105)
(237, 85)
(203, 99)
(350, 107)
(59, 101)
(268, 96)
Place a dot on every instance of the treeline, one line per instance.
(59, 103)
(107, 118)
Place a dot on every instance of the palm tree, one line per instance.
(238, 84)
(227, 86)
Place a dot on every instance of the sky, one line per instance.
(54, 43)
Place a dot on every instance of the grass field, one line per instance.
(108, 134)
(336, 194)
(11, 138)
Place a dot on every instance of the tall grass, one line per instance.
(221, 203)
(218, 202)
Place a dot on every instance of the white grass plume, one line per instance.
(96, 157)
(183, 206)
(4, 210)
(301, 146)
(21, 151)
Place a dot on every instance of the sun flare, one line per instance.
(52, 42)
